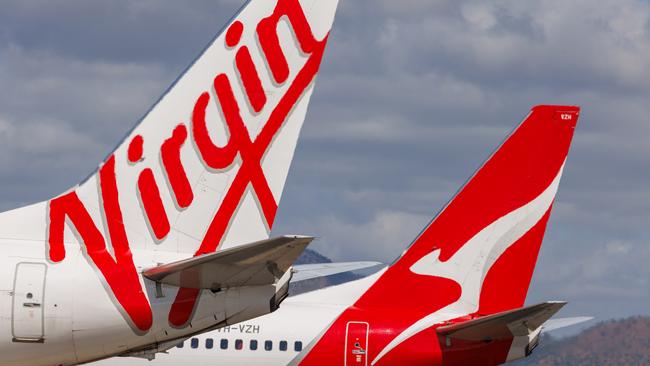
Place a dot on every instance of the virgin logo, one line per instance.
(118, 270)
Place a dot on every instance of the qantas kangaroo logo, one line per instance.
(471, 264)
(119, 273)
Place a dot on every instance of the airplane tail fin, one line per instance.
(483, 245)
(475, 259)
(206, 166)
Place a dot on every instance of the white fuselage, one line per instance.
(61, 315)
(225, 351)
(299, 321)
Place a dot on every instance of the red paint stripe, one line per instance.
(59, 208)
(180, 314)
(251, 167)
(110, 198)
(251, 152)
(294, 93)
(135, 149)
(153, 205)
(183, 306)
(231, 112)
(270, 43)
(176, 174)
(120, 273)
(506, 284)
(264, 195)
(234, 33)
(215, 157)
(186, 299)
(251, 79)
(520, 170)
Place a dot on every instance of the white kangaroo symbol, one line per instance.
(472, 262)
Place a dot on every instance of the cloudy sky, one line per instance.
(412, 97)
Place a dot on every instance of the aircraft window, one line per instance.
(253, 345)
(180, 345)
(268, 345)
(224, 344)
(283, 345)
(239, 344)
(209, 343)
(297, 346)
(194, 343)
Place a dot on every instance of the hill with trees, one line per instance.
(618, 342)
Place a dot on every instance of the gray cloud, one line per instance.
(413, 96)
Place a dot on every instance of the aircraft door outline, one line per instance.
(356, 344)
(28, 310)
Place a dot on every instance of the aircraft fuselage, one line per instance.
(61, 315)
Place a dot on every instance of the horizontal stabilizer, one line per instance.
(505, 325)
(256, 264)
(304, 272)
(555, 324)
